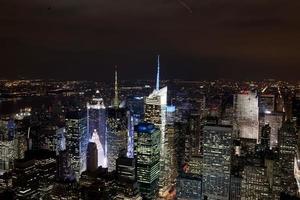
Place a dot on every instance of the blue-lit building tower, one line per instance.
(96, 122)
(147, 149)
(11, 129)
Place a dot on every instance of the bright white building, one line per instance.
(246, 105)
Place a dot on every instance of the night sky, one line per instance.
(197, 39)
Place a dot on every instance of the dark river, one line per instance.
(13, 106)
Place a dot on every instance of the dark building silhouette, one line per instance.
(92, 157)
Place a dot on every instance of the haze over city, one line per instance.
(197, 40)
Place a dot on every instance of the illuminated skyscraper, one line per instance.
(265, 137)
(171, 159)
(274, 120)
(217, 161)
(119, 130)
(188, 186)
(77, 141)
(255, 183)
(47, 170)
(148, 151)
(117, 134)
(136, 106)
(194, 144)
(246, 105)
(9, 152)
(155, 112)
(130, 142)
(287, 141)
(296, 109)
(11, 129)
(127, 184)
(96, 120)
(60, 140)
(25, 179)
(156, 107)
(297, 168)
(95, 139)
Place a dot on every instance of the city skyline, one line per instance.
(149, 100)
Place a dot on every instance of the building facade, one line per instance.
(77, 141)
(148, 159)
(217, 161)
(96, 121)
(246, 106)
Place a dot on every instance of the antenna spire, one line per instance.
(157, 76)
(116, 99)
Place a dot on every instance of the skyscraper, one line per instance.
(265, 137)
(194, 144)
(216, 160)
(11, 129)
(25, 179)
(8, 152)
(255, 183)
(148, 152)
(297, 168)
(274, 120)
(287, 152)
(127, 185)
(117, 134)
(296, 109)
(100, 151)
(76, 141)
(64, 168)
(155, 112)
(92, 157)
(46, 175)
(246, 106)
(60, 140)
(96, 121)
(119, 130)
(189, 186)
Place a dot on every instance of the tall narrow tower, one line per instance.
(155, 113)
(157, 76)
(96, 120)
(116, 99)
